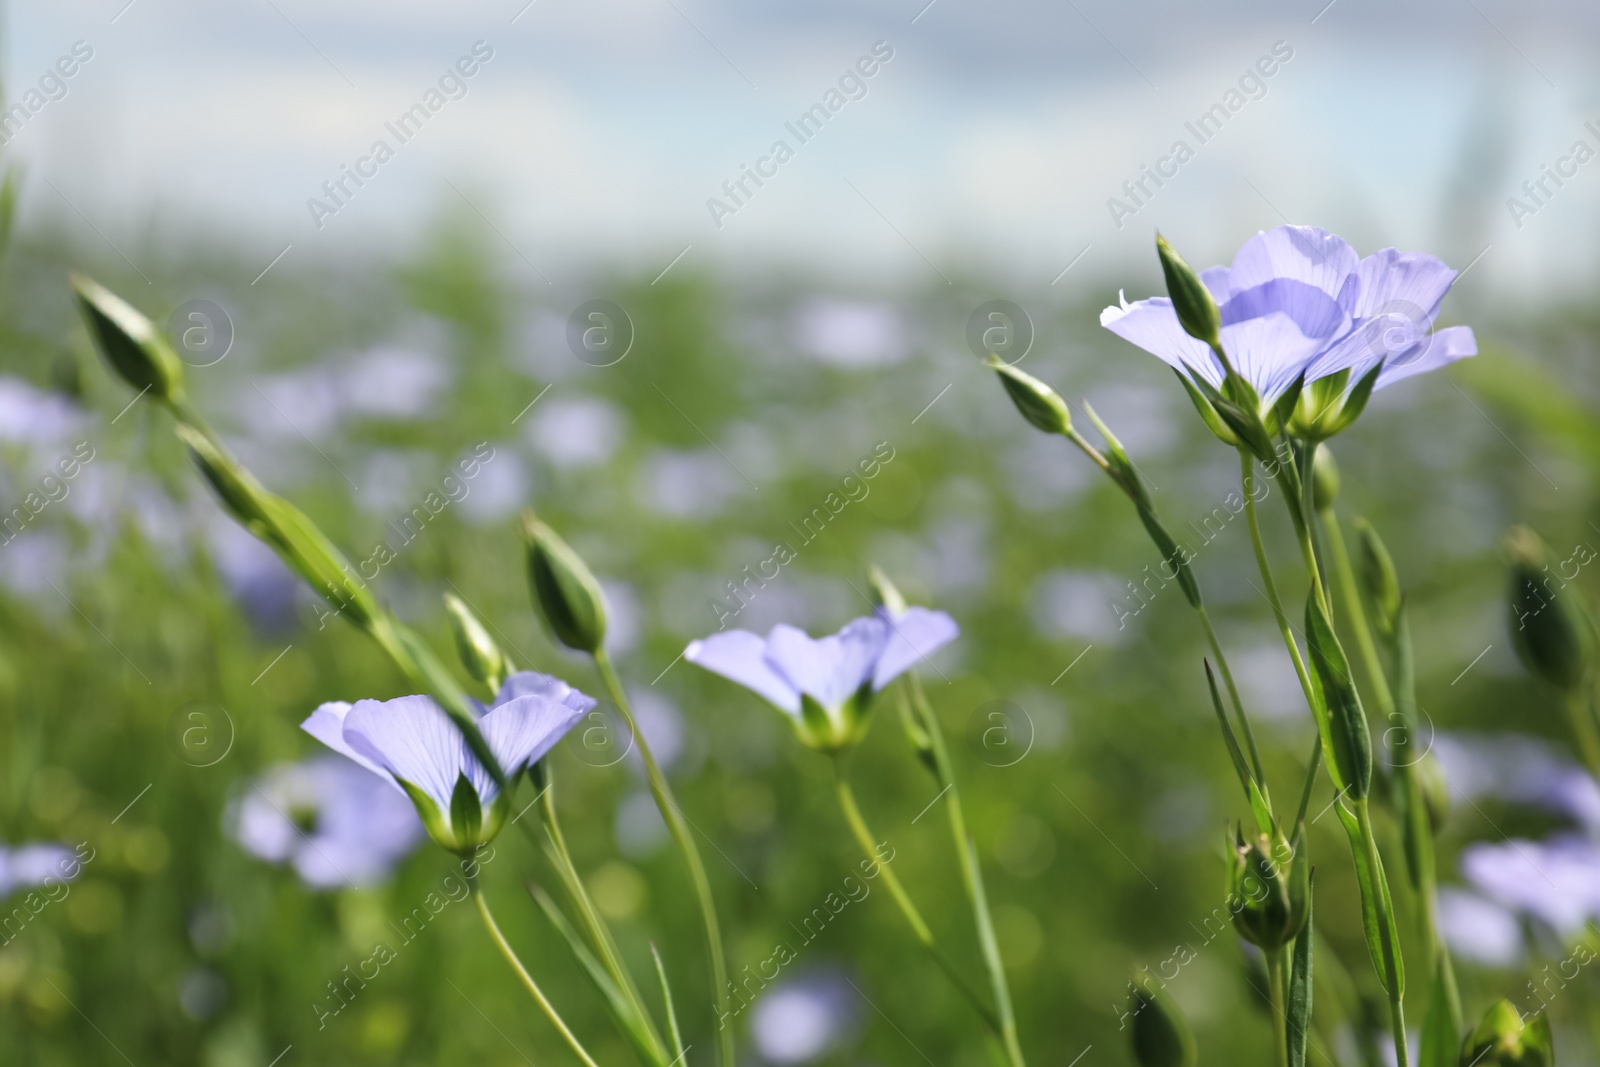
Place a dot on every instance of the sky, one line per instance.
(990, 137)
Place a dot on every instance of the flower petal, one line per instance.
(1306, 254)
(740, 656)
(520, 731)
(532, 683)
(913, 634)
(1394, 298)
(1441, 348)
(1269, 352)
(326, 724)
(1153, 326)
(832, 668)
(412, 738)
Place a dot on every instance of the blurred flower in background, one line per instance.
(336, 823)
(851, 333)
(33, 865)
(802, 1020)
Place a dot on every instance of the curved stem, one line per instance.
(971, 873)
(527, 979)
(1280, 1015)
(678, 826)
(864, 837)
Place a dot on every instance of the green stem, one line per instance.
(1253, 521)
(1280, 1014)
(527, 979)
(599, 933)
(1356, 615)
(1391, 951)
(919, 927)
(679, 828)
(971, 873)
(1233, 696)
(1583, 729)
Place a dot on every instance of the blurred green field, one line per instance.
(1098, 796)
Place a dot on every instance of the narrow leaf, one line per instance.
(1441, 1024)
(1300, 992)
(666, 996)
(1239, 765)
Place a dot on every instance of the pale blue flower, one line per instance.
(1299, 301)
(330, 818)
(415, 744)
(803, 1019)
(1555, 881)
(826, 684)
(36, 864)
(1479, 930)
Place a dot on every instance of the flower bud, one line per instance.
(479, 654)
(1551, 630)
(1379, 577)
(1435, 791)
(1160, 1036)
(1267, 893)
(1504, 1039)
(563, 588)
(884, 592)
(1324, 479)
(1041, 405)
(1196, 307)
(129, 342)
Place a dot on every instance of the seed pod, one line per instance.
(1196, 307)
(479, 654)
(1041, 405)
(129, 341)
(1504, 1039)
(1551, 630)
(564, 589)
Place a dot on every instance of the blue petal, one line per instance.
(1306, 254)
(326, 724)
(828, 669)
(740, 656)
(412, 738)
(526, 683)
(1153, 326)
(1394, 298)
(913, 634)
(522, 730)
(1269, 352)
(1441, 347)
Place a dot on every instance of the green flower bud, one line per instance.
(1160, 1036)
(563, 588)
(479, 654)
(1552, 631)
(129, 341)
(1324, 480)
(1435, 791)
(1196, 307)
(1325, 407)
(245, 498)
(1267, 889)
(1379, 577)
(1041, 405)
(1505, 1039)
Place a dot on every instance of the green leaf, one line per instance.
(1208, 414)
(466, 811)
(1239, 765)
(1349, 744)
(1300, 992)
(666, 998)
(1377, 909)
(1283, 408)
(1441, 1023)
(1356, 402)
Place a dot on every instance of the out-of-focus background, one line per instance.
(355, 342)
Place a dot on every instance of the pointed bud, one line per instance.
(1324, 480)
(564, 589)
(129, 341)
(1503, 1039)
(1041, 405)
(245, 498)
(1267, 889)
(884, 592)
(1435, 791)
(479, 654)
(1196, 307)
(1379, 577)
(1551, 630)
(1160, 1036)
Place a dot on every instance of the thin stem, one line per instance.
(1391, 951)
(527, 979)
(1280, 1014)
(1345, 574)
(1233, 696)
(1313, 764)
(971, 873)
(1247, 467)
(869, 845)
(678, 826)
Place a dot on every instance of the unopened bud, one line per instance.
(129, 341)
(479, 654)
(1379, 577)
(1041, 405)
(1324, 479)
(1551, 630)
(1196, 307)
(1435, 791)
(1503, 1039)
(1267, 889)
(1160, 1036)
(564, 589)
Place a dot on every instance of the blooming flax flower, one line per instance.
(825, 685)
(330, 818)
(1298, 305)
(412, 742)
